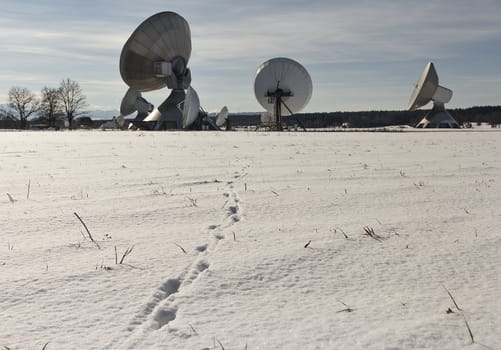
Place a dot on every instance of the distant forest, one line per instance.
(368, 119)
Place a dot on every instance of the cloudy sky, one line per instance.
(361, 54)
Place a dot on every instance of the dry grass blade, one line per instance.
(221, 345)
(469, 330)
(12, 200)
(452, 298)
(182, 249)
(45, 346)
(193, 329)
(347, 309)
(126, 253)
(369, 231)
(344, 234)
(86, 229)
(28, 192)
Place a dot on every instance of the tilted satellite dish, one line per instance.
(157, 53)
(222, 117)
(191, 107)
(282, 82)
(428, 89)
(156, 56)
(133, 101)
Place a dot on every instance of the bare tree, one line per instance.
(51, 104)
(72, 98)
(23, 104)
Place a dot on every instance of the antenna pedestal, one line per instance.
(276, 98)
(171, 112)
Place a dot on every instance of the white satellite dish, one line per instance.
(222, 116)
(282, 82)
(191, 107)
(428, 89)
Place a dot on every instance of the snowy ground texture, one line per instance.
(218, 223)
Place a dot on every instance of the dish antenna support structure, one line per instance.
(282, 82)
(428, 89)
(155, 56)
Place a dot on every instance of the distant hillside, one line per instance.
(102, 114)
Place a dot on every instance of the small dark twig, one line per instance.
(12, 200)
(469, 330)
(116, 255)
(86, 229)
(344, 234)
(193, 329)
(45, 346)
(28, 192)
(307, 244)
(221, 345)
(276, 194)
(127, 252)
(182, 249)
(452, 298)
(234, 236)
(348, 309)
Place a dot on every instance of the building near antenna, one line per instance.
(428, 89)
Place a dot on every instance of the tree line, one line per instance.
(67, 101)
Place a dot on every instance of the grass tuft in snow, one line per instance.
(369, 231)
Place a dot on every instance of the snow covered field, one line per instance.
(243, 206)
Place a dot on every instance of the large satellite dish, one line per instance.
(282, 82)
(428, 89)
(156, 56)
(157, 53)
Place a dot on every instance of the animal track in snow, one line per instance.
(163, 307)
